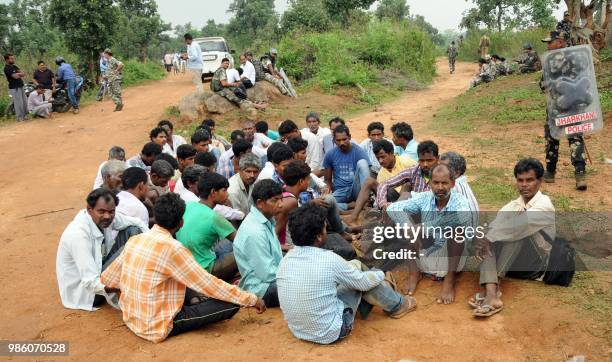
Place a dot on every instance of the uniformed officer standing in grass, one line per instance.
(576, 143)
(114, 76)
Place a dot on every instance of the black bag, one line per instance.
(561, 263)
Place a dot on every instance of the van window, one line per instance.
(213, 46)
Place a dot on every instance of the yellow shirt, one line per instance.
(401, 163)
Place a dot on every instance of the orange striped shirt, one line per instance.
(152, 272)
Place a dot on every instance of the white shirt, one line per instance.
(238, 194)
(517, 220)
(266, 172)
(129, 205)
(99, 181)
(194, 55)
(225, 211)
(35, 100)
(176, 141)
(262, 141)
(314, 151)
(78, 264)
(232, 75)
(248, 71)
(321, 132)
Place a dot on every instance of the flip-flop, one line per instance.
(412, 305)
(487, 310)
(474, 301)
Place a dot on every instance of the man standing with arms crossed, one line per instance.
(14, 77)
(114, 75)
(194, 61)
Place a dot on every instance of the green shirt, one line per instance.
(215, 83)
(202, 228)
(258, 252)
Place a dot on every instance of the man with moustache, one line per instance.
(442, 208)
(240, 185)
(87, 247)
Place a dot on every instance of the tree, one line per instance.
(212, 29)
(309, 15)
(509, 14)
(392, 9)
(139, 27)
(340, 10)
(420, 22)
(88, 26)
(27, 29)
(251, 16)
(596, 17)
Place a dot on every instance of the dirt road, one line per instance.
(50, 165)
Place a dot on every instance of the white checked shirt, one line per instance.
(307, 281)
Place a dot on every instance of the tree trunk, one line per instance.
(499, 16)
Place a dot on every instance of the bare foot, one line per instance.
(351, 221)
(354, 229)
(413, 280)
(447, 294)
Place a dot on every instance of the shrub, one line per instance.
(357, 56)
(136, 72)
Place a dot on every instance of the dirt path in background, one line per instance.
(50, 165)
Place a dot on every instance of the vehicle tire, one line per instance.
(62, 108)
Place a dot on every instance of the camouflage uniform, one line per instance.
(114, 78)
(452, 57)
(565, 29)
(265, 62)
(487, 74)
(227, 92)
(529, 63)
(260, 74)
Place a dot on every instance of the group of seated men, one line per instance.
(184, 234)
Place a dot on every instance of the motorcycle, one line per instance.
(60, 103)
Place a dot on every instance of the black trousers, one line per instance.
(271, 296)
(192, 317)
(576, 145)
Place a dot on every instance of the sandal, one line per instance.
(487, 310)
(476, 300)
(408, 306)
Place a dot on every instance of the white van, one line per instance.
(214, 49)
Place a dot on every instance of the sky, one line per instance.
(442, 14)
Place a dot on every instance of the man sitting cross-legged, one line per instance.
(87, 247)
(414, 179)
(296, 177)
(241, 184)
(525, 226)
(376, 132)
(256, 246)
(146, 157)
(390, 165)
(457, 163)
(346, 167)
(158, 278)
(320, 293)
(203, 228)
(403, 138)
(115, 153)
(444, 214)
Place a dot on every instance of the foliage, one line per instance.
(212, 29)
(136, 72)
(392, 9)
(138, 28)
(253, 20)
(340, 10)
(420, 22)
(309, 15)
(509, 14)
(508, 44)
(87, 26)
(355, 57)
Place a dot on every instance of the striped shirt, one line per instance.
(414, 176)
(307, 281)
(152, 272)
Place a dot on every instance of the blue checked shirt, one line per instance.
(225, 165)
(307, 281)
(455, 214)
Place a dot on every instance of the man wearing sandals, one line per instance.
(517, 226)
(320, 293)
(444, 216)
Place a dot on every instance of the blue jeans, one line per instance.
(349, 193)
(382, 296)
(71, 85)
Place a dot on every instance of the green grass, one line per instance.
(172, 111)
